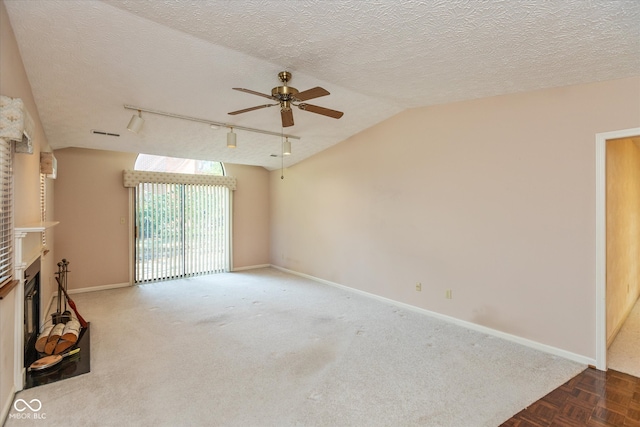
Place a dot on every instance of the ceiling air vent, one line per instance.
(101, 132)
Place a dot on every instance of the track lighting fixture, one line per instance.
(209, 122)
(231, 139)
(136, 122)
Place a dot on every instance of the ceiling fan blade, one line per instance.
(287, 118)
(233, 113)
(315, 92)
(253, 92)
(321, 110)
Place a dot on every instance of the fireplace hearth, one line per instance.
(72, 366)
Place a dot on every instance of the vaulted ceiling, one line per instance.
(86, 59)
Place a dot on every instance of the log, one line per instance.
(43, 338)
(71, 331)
(62, 345)
(54, 336)
(69, 336)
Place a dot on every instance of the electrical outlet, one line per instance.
(418, 286)
(448, 294)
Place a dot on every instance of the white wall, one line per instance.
(250, 215)
(90, 201)
(15, 83)
(492, 198)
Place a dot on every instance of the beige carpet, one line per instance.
(624, 353)
(265, 348)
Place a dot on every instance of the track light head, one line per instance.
(286, 147)
(136, 122)
(231, 139)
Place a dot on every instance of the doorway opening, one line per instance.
(606, 298)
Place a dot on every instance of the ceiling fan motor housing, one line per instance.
(284, 94)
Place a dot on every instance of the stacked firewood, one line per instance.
(57, 338)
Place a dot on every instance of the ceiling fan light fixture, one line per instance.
(286, 147)
(136, 122)
(231, 139)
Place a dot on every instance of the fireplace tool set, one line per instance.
(56, 341)
(61, 277)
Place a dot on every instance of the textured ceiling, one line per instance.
(85, 59)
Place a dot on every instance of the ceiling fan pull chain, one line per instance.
(282, 154)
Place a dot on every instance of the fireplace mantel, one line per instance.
(20, 232)
(36, 227)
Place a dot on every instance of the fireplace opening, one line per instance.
(31, 311)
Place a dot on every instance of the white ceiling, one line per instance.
(86, 59)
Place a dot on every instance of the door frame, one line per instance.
(182, 204)
(601, 240)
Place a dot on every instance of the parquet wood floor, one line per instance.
(593, 399)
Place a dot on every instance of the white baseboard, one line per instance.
(54, 296)
(251, 267)
(463, 323)
(98, 288)
(6, 406)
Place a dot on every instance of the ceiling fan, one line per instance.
(286, 96)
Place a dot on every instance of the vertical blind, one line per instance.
(6, 211)
(206, 229)
(181, 230)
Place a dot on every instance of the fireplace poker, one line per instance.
(59, 302)
(65, 269)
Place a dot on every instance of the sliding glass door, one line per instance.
(181, 230)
